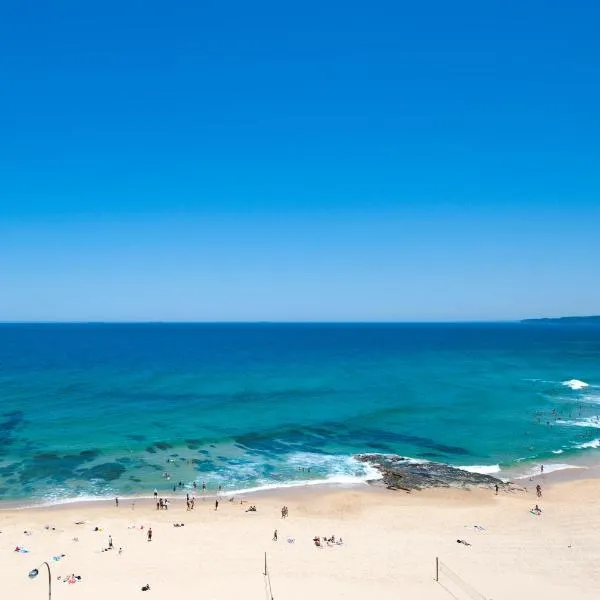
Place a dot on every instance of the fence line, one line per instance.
(443, 572)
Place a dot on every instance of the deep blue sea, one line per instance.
(109, 409)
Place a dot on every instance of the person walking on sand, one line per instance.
(496, 489)
(155, 493)
(110, 543)
(117, 502)
(149, 534)
(538, 490)
(216, 504)
(275, 535)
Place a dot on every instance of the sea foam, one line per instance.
(575, 384)
(481, 469)
(548, 468)
(593, 444)
(587, 422)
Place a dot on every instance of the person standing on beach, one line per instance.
(110, 542)
(496, 489)
(275, 535)
(117, 502)
(216, 504)
(155, 493)
(150, 534)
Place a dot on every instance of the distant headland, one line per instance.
(566, 320)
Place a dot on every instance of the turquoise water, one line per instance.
(99, 410)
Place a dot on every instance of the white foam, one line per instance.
(591, 398)
(575, 384)
(557, 451)
(560, 467)
(334, 480)
(593, 444)
(327, 469)
(481, 469)
(587, 422)
(336, 467)
(548, 468)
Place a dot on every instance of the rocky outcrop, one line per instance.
(400, 473)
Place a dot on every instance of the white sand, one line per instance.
(391, 540)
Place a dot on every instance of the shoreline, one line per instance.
(143, 499)
(553, 478)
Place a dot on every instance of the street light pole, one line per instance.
(34, 573)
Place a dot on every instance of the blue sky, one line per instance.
(315, 161)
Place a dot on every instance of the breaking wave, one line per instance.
(481, 469)
(575, 384)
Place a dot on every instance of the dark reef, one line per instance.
(402, 474)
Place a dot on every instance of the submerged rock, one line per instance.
(105, 471)
(401, 473)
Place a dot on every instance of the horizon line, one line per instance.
(263, 322)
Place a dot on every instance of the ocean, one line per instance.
(104, 410)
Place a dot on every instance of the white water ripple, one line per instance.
(593, 422)
(575, 384)
(481, 469)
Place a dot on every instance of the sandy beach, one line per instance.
(390, 541)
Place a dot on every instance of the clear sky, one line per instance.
(322, 160)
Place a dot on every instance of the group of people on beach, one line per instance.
(162, 504)
(329, 541)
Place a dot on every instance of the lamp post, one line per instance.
(35, 572)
